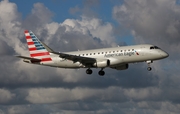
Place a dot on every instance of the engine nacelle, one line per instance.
(101, 63)
(121, 67)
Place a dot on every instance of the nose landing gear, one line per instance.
(149, 67)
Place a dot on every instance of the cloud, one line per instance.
(56, 95)
(154, 21)
(39, 89)
(5, 96)
(39, 16)
(87, 9)
(54, 34)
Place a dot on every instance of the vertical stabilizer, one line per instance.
(36, 47)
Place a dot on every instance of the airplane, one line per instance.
(117, 58)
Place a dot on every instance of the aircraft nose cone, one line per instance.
(164, 54)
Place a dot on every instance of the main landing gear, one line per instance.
(149, 67)
(101, 72)
(89, 71)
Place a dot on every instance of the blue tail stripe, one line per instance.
(40, 48)
(35, 40)
(37, 43)
(33, 37)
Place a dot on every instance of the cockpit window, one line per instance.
(154, 47)
(151, 47)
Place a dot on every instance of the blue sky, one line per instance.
(61, 8)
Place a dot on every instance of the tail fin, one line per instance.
(36, 47)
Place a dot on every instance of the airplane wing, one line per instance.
(83, 60)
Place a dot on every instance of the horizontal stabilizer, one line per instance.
(29, 58)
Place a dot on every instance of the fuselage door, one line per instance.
(143, 50)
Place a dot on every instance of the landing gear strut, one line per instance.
(89, 71)
(149, 67)
(101, 72)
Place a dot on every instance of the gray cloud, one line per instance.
(156, 22)
(5, 96)
(40, 15)
(87, 9)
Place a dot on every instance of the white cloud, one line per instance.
(5, 96)
(56, 95)
(154, 21)
(142, 94)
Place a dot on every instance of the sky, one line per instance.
(66, 25)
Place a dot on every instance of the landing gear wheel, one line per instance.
(149, 68)
(89, 71)
(101, 73)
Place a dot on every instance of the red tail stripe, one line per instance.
(32, 49)
(30, 43)
(28, 37)
(26, 31)
(46, 59)
(39, 54)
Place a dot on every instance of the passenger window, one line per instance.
(102, 52)
(94, 53)
(132, 49)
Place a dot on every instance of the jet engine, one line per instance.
(101, 63)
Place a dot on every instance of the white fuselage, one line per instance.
(117, 56)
